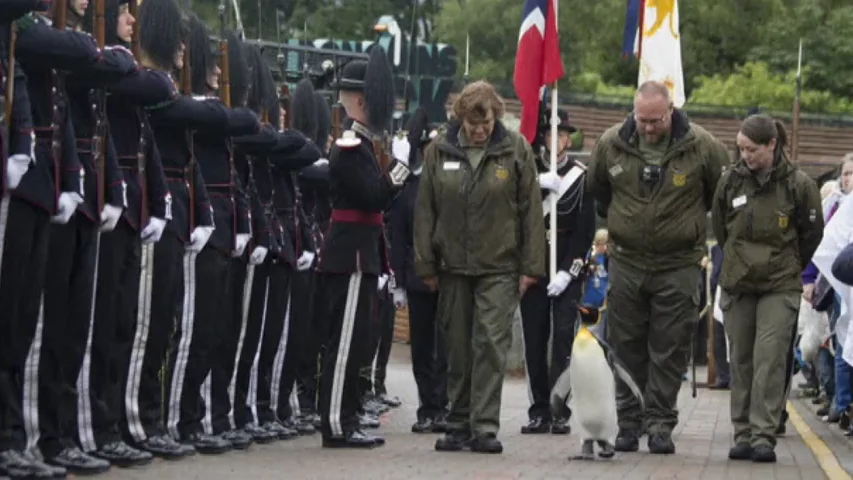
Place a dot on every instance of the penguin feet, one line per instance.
(587, 452)
(606, 449)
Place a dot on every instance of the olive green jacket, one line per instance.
(657, 226)
(769, 231)
(483, 221)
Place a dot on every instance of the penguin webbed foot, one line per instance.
(606, 449)
(587, 452)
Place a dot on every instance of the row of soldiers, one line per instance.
(160, 244)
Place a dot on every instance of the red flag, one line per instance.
(537, 61)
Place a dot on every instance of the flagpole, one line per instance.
(552, 228)
(795, 135)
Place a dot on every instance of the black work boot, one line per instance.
(123, 455)
(487, 443)
(628, 440)
(453, 441)
(741, 451)
(661, 444)
(560, 426)
(537, 425)
(74, 460)
(763, 454)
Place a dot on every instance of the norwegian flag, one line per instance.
(537, 61)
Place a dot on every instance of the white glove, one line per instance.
(110, 217)
(304, 261)
(559, 283)
(199, 238)
(258, 255)
(400, 149)
(383, 279)
(240, 244)
(153, 231)
(68, 202)
(321, 162)
(550, 181)
(16, 166)
(400, 299)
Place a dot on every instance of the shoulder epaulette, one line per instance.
(578, 163)
(348, 140)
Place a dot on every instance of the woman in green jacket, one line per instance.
(479, 239)
(767, 216)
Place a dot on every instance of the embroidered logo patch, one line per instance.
(783, 221)
(501, 173)
(679, 179)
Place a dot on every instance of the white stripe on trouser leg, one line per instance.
(295, 410)
(520, 318)
(252, 394)
(31, 384)
(4, 218)
(207, 396)
(278, 361)
(140, 341)
(85, 429)
(183, 354)
(232, 386)
(339, 376)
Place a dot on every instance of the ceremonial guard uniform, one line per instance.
(122, 252)
(429, 357)
(267, 307)
(314, 185)
(548, 308)
(16, 153)
(353, 253)
(195, 339)
(68, 299)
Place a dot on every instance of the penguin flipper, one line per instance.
(561, 391)
(625, 376)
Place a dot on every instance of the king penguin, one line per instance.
(589, 385)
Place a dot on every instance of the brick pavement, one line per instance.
(702, 440)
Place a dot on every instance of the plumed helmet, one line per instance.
(324, 121)
(162, 28)
(111, 14)
(238, 69)
(262, 97)
(203, 54)
(303, 109)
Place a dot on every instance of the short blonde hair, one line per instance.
(601, 237)
(475, 101)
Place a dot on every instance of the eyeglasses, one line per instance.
(651, 121)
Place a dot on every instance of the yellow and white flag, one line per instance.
(660, 52)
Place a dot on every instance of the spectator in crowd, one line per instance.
(479, 240)
(767, 218)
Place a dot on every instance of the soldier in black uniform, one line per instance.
(50, 191)
(314, 185)
(68, 299)
(195, 339)
(353, 253)
(267, 306)
(16, 153)
(429, 357)
(122, 251)
(548, 307)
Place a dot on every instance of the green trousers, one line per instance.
(476, 313)
(650, 323)
(760, 329)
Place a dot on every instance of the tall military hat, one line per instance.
(375, 79)
(303, 109)
(238, 70)
(262, 95)
(111, 14)
(324, 122)
(203, 54)
(162, 29)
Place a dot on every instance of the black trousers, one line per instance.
(273, 345)
(295, 333)
(245, 382)
(304, 315)
(201, 327)
(350, 306)
(24, 238)
(538, 328)
(223, 366)
(68, 316)
(116, 308)
(151, 340)
(429, 356)
(386, 313)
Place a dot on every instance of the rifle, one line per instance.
(59, 16)
(132, 8)
(336, 120)
(285, 93)
(100, 104)
(187, 89)
(10, 80)
(225, 77)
